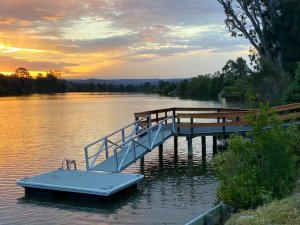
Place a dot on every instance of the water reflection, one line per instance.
(72, 203)
(39, 131)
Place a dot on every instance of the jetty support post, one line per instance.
(142, 161)
(160, 149)
(175, 145)
(215, 147)
(203, 143)
(190, 146)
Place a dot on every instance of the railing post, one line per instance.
(86, 154)
(123, 136)
(166, 115)
(178, 123)
(106, 148)
(116, 159)
(223, 124)
(149, 139)
(134, 151)
(136, 125)
(156, 117)
(173, 124)
(192, 121)
(149, 121)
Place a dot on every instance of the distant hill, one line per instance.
(125, 81)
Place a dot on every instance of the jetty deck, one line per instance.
(107, 157)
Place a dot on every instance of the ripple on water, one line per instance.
(39, 131)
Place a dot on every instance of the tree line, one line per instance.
(235, 81)
(16, 85)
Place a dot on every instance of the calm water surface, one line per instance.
(39, 131)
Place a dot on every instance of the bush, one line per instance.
(256, 170)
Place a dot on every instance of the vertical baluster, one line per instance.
(86, 159)
(106, 148)
(173, 124)
(149, 121)
(123, 136)
(166, 115)
(134, 150)
(116, 160)
(149, 139)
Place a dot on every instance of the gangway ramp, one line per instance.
(114, 155)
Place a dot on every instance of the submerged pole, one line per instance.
(190, 146)
(215, 147)
(175, 145)
(203, 141)
(160, 148)
(142, 162)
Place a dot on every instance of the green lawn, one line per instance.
(285, 211)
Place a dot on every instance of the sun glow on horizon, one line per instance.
(115, 39)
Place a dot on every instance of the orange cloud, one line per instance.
(114, 38)
(6, 20)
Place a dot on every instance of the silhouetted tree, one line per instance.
(22, 72)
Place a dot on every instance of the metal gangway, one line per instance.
(117, 151)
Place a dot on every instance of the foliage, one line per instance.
(19, 85)
(271, 26)
(287, 27)
(263, 167)
(103, 87)
(236, 76)
(293, 92)
(268, 84)
(255, 21)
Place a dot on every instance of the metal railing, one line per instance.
(144, 141)
(106, 144)
(125, 140)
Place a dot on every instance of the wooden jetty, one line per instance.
(107, 157)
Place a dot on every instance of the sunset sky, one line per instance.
(116, 38)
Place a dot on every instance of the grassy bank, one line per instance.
(285, 211)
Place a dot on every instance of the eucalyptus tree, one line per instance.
(255, 20)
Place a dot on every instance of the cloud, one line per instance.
(10, 64)
(79, 34)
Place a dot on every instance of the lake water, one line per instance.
(39, 131)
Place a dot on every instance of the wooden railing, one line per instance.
(212, 117)
(161, 114)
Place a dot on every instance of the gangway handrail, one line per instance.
(148, 130)
(129, 144)
(145, 131)
(115, 132)
(105, 140)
